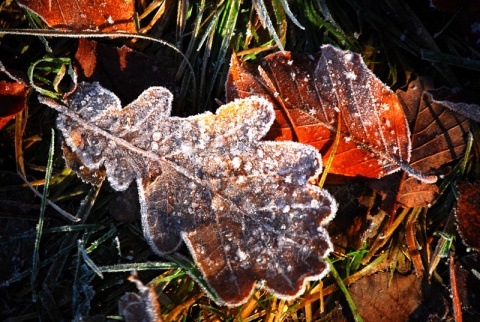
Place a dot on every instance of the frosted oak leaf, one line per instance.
(242, 206)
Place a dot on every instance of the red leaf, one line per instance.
(12, 100)
(78, 15)
(309, 91)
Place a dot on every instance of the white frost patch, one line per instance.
(156, 136)
(236, 163)
(349, 56)
(241, 254)
(350, 75)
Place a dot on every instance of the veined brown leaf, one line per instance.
(243, 206)
(439, 136)
(309, 91)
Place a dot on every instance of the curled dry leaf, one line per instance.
(243, 206)
(84, 15)
(312, 92)
(439, 136)
(142, 307)
(456, 102)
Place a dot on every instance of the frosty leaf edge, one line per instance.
(242, 206)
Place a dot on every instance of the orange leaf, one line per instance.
(12, 98)
(78, 15)
(309, 91)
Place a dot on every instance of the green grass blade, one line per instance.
(88, 260)
(351, 304)
(43, 205)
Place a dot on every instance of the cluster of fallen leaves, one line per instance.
(247, 207)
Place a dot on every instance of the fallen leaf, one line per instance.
(439, 136)
(383, 297)
(468, 214)
(84, 15)
(13, 95)
(142, 307)
(455, 101)
(243, 206)
(310, 91)
(13, 98)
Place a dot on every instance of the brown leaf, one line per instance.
(243, 206)
(468, 214)
(142, 307)
(84, 15)
(456, 102)
(438, 137)
(383, 297)
(310, 91)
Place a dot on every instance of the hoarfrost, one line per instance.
(209, 181)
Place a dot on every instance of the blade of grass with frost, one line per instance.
(193, 272)
(458, 170)
(313, 16)
(43, 205)
(266, 22)
(322, 4)
(60, 229)
(290, 14)
(449, 59)
(191, 45)
(227, 24)
(110, 233)
(88, 260)
(137, 267)
(87, 204)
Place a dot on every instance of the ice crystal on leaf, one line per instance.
(243, 206)
(339, 91)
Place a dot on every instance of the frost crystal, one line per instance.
(243, 206)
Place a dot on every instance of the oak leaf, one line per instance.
(243, 206)
(311, 93)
